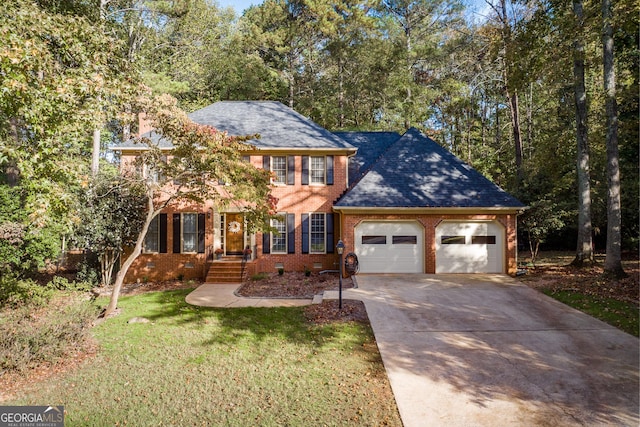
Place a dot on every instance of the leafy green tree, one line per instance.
(110, 215)
(54, 68)
(201, 157)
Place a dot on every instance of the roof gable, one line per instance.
(279, 126)
(416, 172)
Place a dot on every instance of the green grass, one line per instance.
(622, 315)
(213, 367)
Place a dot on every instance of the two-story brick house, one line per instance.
(401, 203)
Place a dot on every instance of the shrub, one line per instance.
(280, 271)
(63, 284)
(28, 338)
(16, 292)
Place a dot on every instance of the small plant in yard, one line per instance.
(259, 276)
(280, 271)
(307, 272)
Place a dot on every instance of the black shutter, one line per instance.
(291, 233)
(201, 234)
(176, 233)
(291, 170)
(163, 233)
(266, 242)
(329, 170)
(266, 163)
(305, 170)
(329, 227)
(305, 233)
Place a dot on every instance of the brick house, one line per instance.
(400, 203)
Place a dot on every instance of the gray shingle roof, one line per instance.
(417, 172)
(279, 126)
(371, 145)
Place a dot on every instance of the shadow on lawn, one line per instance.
(234, 325)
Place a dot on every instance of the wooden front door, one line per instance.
(234, 234)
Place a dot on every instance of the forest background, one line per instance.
(496, 85)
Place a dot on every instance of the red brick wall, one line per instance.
(293, 199)
(298, 199)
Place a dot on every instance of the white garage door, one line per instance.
(390, 247)
(469, 247)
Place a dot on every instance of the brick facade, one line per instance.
(296, 199)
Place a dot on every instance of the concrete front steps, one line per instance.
(226, 270)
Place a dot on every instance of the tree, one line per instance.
(111, 213)
(54, 66)
(201, 158)
(584, 251)
(613, 260)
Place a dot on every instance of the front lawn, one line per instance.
(233, 367)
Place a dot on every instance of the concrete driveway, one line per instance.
(470, 350)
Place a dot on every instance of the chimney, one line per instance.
(144, 124)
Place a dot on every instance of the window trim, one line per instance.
(285, 171)
(324, 232)
(195, 233)
(145, 250)
(324, 170)
(284, 235)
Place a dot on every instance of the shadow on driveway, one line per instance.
(487, 350)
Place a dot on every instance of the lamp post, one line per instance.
(340, 249)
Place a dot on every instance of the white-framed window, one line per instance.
(317, 233)
(317, 170)
(152, 239)
(189, 232)
(279, 239)
(279, 169)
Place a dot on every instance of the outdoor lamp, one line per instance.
(340, 249)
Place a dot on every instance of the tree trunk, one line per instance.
(514, 109)
(137, 250)
(95, 153)
(613, 261)
(584, 251)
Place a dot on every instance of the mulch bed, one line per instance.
(298, 285)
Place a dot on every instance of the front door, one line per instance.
(234, 234)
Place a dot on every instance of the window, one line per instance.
(318, 237)
(152, 239)
(279, 239)
(374, 240)
(279, 169)
(317, 170)
(189, 232)
(452, 240)
(483, 240)
(405, 240)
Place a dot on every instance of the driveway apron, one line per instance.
(485, 350)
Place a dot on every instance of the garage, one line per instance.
(470, 247)
(390, 246)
